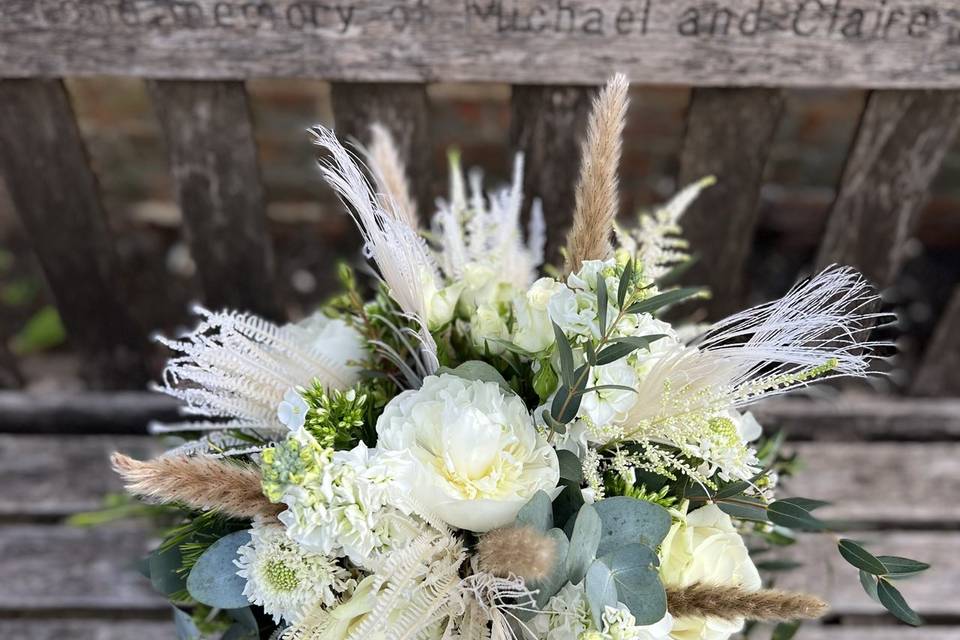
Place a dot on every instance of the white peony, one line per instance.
(705, 547)
(470, 453)
(534, 330)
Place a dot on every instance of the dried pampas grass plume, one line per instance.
(198, 482)
(388, 170)
(731, 603)
(519, 551)
(596, 195)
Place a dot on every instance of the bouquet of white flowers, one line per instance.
(475, 451)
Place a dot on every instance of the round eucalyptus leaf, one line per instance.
(549, 586)
(628, 521)
(584, 542)
(538, 512)
(633, 571)
(162, 567)
(600, 589)
(213, 580)
(184, 626)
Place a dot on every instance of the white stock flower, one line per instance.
(292, 410)
(347, 510)
(705, 547)
(470, 452)
(286, 579)
(534, 330)
(607, 406)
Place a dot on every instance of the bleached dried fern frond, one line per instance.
(198, 482)
(388, 170)
(597, 192)
(734, 603)
(401, 255)
(237, 366)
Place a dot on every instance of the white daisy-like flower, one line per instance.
(284, 578)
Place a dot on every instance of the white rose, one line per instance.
(487, 328)
(534, 330)
(574, 312)
(440, 303)
(472, 455)
(482, 284)
(705, 547)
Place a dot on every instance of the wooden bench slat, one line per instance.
(87, 629)
(57, 476)
(891, 632)
(937, 374)
(213, 160)
(55, 194)
(404, 110)
(899, 146)
(729, 134)
(547, 124)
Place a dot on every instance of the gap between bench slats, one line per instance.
(939, 373)
(56, 196)
(213, 161)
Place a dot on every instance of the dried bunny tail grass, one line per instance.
(198, 482)
(390, 174)
(596, 194)
(731, 603)
(521, 551)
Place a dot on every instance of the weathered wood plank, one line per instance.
(736, 42)
(888, 483)
(79, 629)
(56, 476)
(826, 574)
(404, 110)
(900, 143)
(213, 159)
(937, 374)
(121, 412)
(547, 124)
(55, 194)
(728, 135)
(891, 632)
(68, 569)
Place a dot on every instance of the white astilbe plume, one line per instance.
(234, 368)
(819, 330)
(402, 257)
(656, 241)
(388, 170)
(486, 229)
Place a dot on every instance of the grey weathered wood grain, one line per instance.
(60, 568)
(547, 124)
(728, 136)
(57, 199)
(405, 111)
(889, 483)
(122, 412)
(891, 632)
(80, 629)
(900, 143)
(792, 42)
(213, 159)
(56, 476)
(826, 574)
(938, 372)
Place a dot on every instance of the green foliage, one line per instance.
(628, 520)
(631, 571)
(876, 572)
(549, 586)
(794, 513)
(214, 580)
(43, 331)
(538, 512)
(336, 418)
(478, 370)
(584, 542)
(616, 485)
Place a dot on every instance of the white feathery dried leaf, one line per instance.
(597, 191)
(388, 170)
(237, 367)
(402, 257)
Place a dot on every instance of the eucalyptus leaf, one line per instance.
(566, 355)
(785, 630)
(744, 509)
(549, 586)
(622, 347)
(570, 465)
(238, 631)
(790, 515)
(163, 566)
(869, 583)
(566, 403)
(893, 601)
(860, 557)
(601, 591)
(807, 504)
(213, 580)
(633, 571)
(628, 520)
(661, 300)
(584, 542)
(626, 279)
(731, 490)
(245, 618)
(184, 626)
(602, 303)
(898, 567)
(567, 505)
(478, 370)
(538, 512)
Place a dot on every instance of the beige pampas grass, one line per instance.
(198, 482)
(388, 170)
(597, 190)
(731, 603)
(519, 551)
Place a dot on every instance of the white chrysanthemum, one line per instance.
(347, 510)
(286, 579)
(470, 451)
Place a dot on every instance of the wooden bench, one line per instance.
(890, 463)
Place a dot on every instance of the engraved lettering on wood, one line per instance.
(868, 43)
